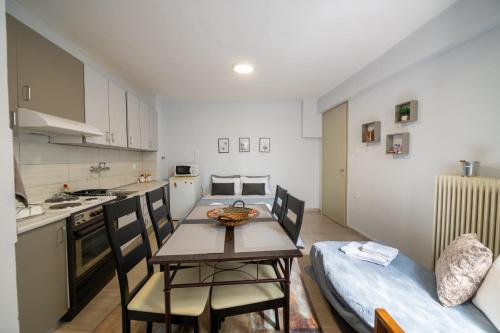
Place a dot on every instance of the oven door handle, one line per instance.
(84, 232)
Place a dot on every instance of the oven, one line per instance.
(90, 261)
(91, 246)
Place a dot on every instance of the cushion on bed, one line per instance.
(488, 295)
(253, 189)
(405, 289)
(258, 179)
(461, 268)
(229, 179)
(222, 188)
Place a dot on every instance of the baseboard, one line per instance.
(312, 210)
(364, 234)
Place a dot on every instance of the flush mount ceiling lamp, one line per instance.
(243, 68)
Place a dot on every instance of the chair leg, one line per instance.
(196, 325)
(149, 327)
(277, 319)
(125, 323)
(214, 322)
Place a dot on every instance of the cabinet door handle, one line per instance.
(60, 235)
(112, 137)
(107, 136)
(27, 93)
(131, 141)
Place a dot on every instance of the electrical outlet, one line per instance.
(356, 195)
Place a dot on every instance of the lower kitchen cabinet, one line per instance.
(42, 277)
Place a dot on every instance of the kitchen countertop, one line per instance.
(142, 188)
(51, 216)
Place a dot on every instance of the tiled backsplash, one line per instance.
(46, 167)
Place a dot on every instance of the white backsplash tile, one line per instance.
(46, 167)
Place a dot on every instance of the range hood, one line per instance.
(42, 123)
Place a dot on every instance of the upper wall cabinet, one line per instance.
(117, 116)
(149, 128)
(105, 108)
(96, 105)
(49, 79)
(133, 122)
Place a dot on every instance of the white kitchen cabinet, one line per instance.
(96, 104)
(133, 122)
(153, 130)
(144, 123)
(117, 116)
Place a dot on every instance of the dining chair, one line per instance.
(279, 203)
(232, 300)
(146, 301)
(160, 216)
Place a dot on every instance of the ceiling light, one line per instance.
(243, 68)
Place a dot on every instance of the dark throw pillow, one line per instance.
(253, 189)
(222, 188)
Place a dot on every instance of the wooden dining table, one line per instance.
(200, 240)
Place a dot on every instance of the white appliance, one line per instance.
(184, 194)
(186, 170)
(42, 123)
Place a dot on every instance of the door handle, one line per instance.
(27, 93)
(113, 137)
(341, 170)
(131, 141)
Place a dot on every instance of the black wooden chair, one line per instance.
(146, 301)
(160, 216)
(236, 299)
(279, 203)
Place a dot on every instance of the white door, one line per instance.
(153, 129)
(335, 163)
(117, 116)
(96, 104)
(133, 122)
(144, 122)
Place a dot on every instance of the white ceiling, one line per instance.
(185, 49)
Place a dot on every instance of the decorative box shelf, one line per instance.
(370, 132)
(398, 144)
(413, 116)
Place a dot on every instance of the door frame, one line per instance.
(346, 102)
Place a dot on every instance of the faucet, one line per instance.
(101, 167)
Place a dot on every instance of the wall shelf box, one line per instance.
(413, 116)
(398, 144)
(370, 132)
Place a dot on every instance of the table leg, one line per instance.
(286, 309)
(168, 288)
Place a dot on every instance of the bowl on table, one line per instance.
(234, 215)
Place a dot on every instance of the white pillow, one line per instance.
(488, 294)
(235, 180)
(257, 180)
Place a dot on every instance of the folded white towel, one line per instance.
(216, 204)
(354, 249)
(386, 251)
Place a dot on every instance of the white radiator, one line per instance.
(463, 205)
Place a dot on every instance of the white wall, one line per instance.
(459, 118)
(191, 130)
(8, 233)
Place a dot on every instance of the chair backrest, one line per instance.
(159, 213)
(132, 234)
(279, 203)
(292, 217)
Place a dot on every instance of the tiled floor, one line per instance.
(315, 228)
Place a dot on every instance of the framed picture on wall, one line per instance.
(223, 145)
(265, 145)
(244, 145)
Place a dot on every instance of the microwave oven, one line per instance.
(186, 170)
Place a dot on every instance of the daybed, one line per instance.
(405, 289)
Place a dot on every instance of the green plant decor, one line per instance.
(404, 111)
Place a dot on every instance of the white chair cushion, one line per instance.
(184, 301)
(230, 296)
(488, 294)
